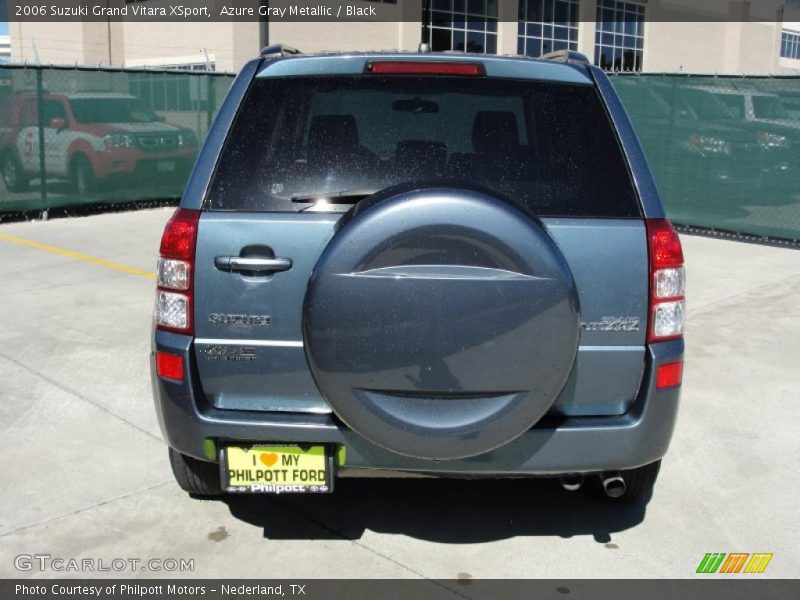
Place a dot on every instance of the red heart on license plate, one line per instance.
(269, 458)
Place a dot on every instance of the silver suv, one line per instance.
(439, 264)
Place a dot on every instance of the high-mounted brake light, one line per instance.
(667, 282)
(175, 272)
(404, 67)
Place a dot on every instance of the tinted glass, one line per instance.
(734, 105)
(769, 107)
(548, 146)
(709, 107)
(110, 110)
(53, 109)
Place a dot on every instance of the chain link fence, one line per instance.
(725, 151)
(84, 136)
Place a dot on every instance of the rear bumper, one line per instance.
(569, 445)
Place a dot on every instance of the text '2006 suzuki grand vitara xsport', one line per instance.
(438, 264)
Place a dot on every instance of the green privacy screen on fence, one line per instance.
(725, 151)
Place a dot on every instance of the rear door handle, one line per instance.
(252, 264)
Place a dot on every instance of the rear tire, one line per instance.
(82, 175)
(197, 477)
(13, 175)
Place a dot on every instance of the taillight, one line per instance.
(175, 272)
(406, 67)
(667, 282)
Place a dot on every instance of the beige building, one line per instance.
(5, 48)
(729, 36)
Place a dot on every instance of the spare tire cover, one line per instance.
(441, 324)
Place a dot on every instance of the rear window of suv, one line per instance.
(548, 146)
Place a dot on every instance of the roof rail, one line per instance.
(279, 50)
(566, 56)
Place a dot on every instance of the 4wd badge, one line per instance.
(613, 324)
(230, 353)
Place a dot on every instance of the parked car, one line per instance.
(418, 264)
(88, 138)
(763, 114)
(700, 132)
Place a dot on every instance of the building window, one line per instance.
(790, 45)
(463, 25)
(547, 25)
(619, 39)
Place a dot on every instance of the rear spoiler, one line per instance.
(566, 56)
(278, 50)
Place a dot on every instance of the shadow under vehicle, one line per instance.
(448, 511)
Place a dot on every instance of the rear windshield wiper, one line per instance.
(340, 197)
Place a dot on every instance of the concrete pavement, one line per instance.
(84, 473)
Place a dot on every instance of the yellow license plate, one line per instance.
(277, 469)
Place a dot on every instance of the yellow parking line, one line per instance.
(100, 262)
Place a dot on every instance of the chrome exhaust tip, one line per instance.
(571, 482)
(613, 484)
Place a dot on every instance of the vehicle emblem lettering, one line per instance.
(230, 353)
(613, 324)
(247, 320)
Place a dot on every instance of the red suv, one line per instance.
(88, 137)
